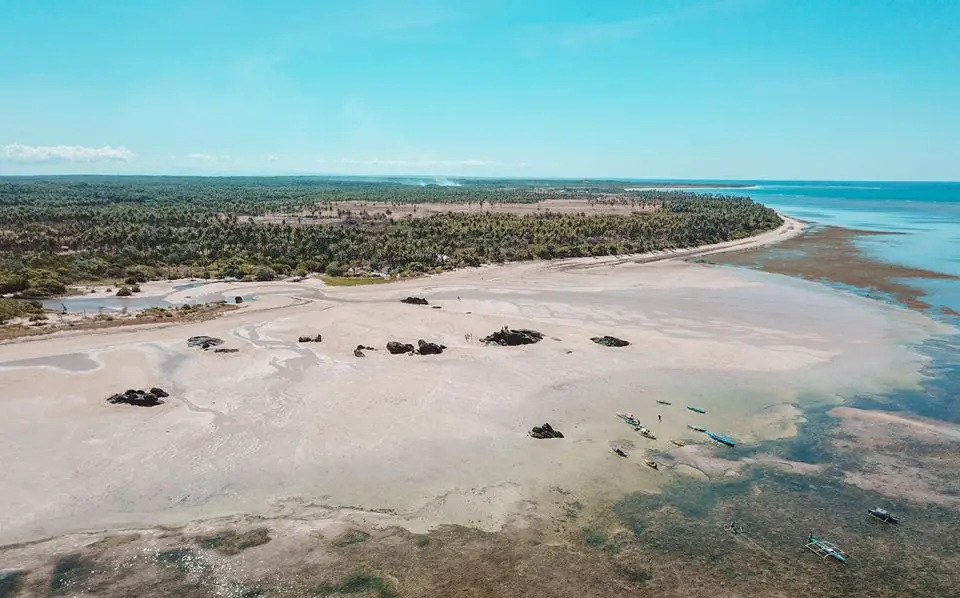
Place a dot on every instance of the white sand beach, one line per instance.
(423, 440)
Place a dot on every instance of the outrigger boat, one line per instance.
(721, 439)
(618, 451)
(646, 433)
(883, 515)
(696, 409)
(696, 428)
(678, 442)
(652, 464)
(824, 549)
(664, 402)
(629, 418)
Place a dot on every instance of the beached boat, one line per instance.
(652, 464)
(720, 438)
(629, 418)
(696, 428)
(883, 515)
(678, 442)
(824, 549)
(646, 433)
(619, 451)
(696, 409)
(664, 402)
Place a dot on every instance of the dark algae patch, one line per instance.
(11, 582)
(831, 254)
(230, 542)
(182, 559)
(68, 572)
(351, 537)
(358, 584)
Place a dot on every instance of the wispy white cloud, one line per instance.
(588, 33)
(208, 157)
(413, 163)
(31, 154)
(273, 158)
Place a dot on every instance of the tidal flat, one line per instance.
(292, 469)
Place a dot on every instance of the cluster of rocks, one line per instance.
(140, 398)
(610, 341)
(310, 339)
(204, 342)
(423, 348)
(545, 431)
(415, 301)
(508, 337)
(358, 352)
(225, 350)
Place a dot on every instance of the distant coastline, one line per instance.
(695, 186)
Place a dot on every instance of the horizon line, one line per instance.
(472, 178)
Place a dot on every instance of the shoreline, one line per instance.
(471, 404)
(790, 228)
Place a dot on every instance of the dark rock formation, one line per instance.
(396, 348)
(415, 301)
(610, 341)
(425, 348)
(545, 431)
(509, 337)
(238, 299)
(310, 339)
(358, 352)
(436, 307)
(204, 342)
(225, 350)
(137, 397)
(156, 390)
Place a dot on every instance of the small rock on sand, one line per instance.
(610, 341)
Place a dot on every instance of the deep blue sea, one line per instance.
(926, 214)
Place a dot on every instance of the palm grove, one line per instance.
(55, 232)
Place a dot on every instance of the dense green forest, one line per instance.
(59, 231)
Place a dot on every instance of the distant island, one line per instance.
(61, 231)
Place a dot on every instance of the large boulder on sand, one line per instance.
(136, 397)
(156, 390)
(545, 431)
(425, 348)
(396, 348)
(310, 339)
(509, 337)
(415, 301)
(610, 341)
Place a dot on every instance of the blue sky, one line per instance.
(729, 89)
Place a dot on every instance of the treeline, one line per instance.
(54, 233)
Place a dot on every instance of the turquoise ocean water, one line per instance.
(926, 214)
